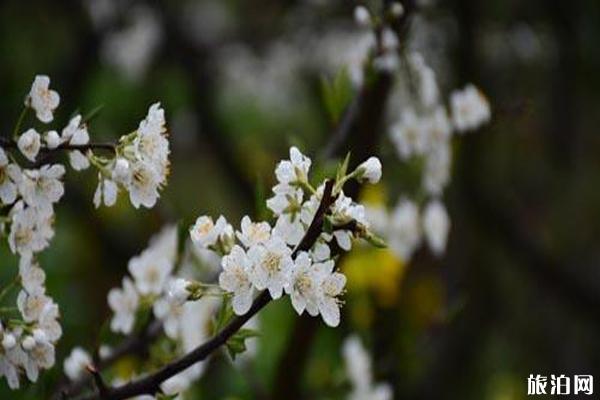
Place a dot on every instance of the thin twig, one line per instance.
(11, 144)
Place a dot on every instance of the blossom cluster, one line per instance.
(161, 283)
(29, 190)
(421, 130)
(28, 342)
(261, 256)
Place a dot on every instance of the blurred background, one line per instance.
(518, 291)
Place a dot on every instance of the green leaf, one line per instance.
(343, 168)
(237, 343)
(337, 94)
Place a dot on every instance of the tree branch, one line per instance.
(11, 144)
(151, 384)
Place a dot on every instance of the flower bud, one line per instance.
(8, 341)
(28, 343)
(362, 16)
(121, 170)
(178, 292)
(52, 139)
(40, 336)
(369, 171)
(397, 9)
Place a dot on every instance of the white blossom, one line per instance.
(205, 233)
(404, 233)
(169, 312)
(8, 173)
(106, 192)
(30, 229)
(362, 16)
(358, 369)
(437, 169)
(52, 140)
(290, 229)
(436, 225)
(32, 276)
(76, 363)
(295, 169)
(42, 187)
(235, 279)
(408, 135)
(470, 108)
(29, 144)
(150, 271)
(272, 264)
(177, 291)
(43, 100)
(124, 303)
(76, 133)
(331, 286)
(304, 285)
(253, 233)
(144, 184)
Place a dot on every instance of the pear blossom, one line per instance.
(43, 100)
(76, 134)
(150, 271)
(362, 16)
(438, 128)
(144, 185)
(303, 285)
(294, 170)
(470, 108)
(42, 187)
(235, 279)
(205, 233)
(359, 371)
(76, 363)
(331, 286)
(29, 144)
(106, 192)
(253, 233)
(287, 200)
(437, 169)
(290, 229)
(124, 303)
(408, 135)
(169, 313)
(436, 225)
(397, 9)
(30, 229)
(32, 276)
(31, 306)
(177, 290)
(272, 266)
(150, 143)
(8, 173)
(404, 233)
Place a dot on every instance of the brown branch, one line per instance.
(134, 344)
(11, 144)
(150, 384)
